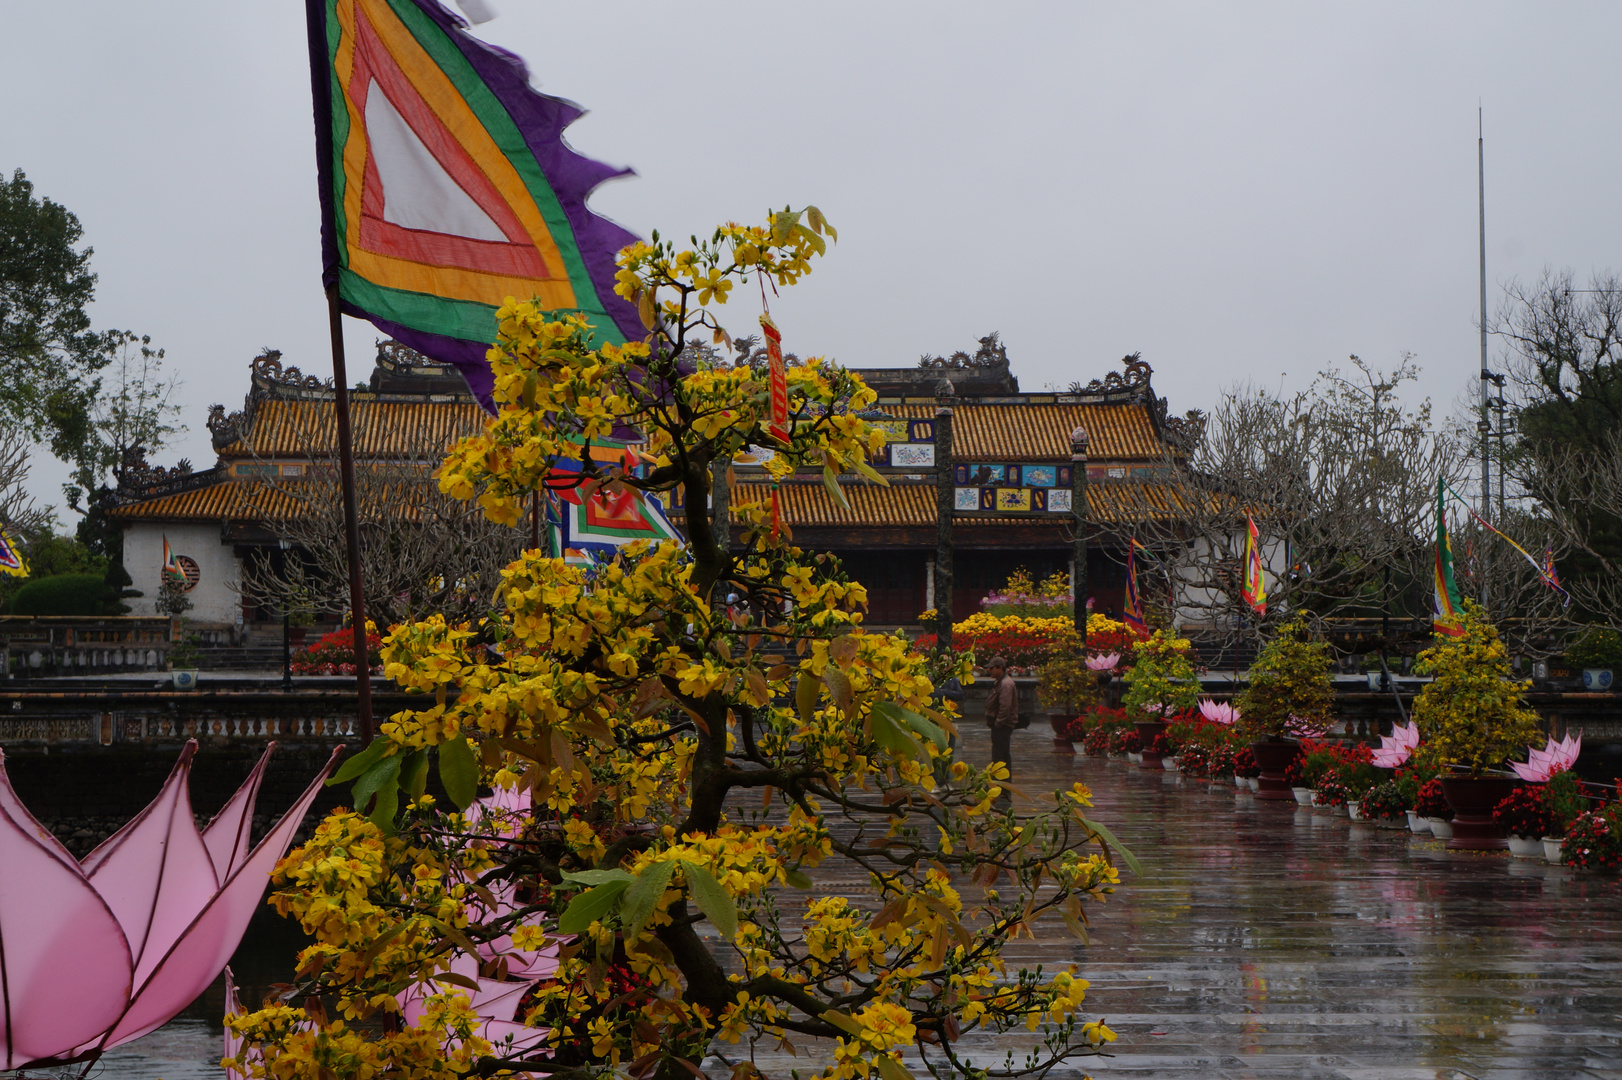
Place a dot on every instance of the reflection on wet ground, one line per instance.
(1263, 941)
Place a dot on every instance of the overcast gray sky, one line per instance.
(1240, 191)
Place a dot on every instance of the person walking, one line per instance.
(1002, 711)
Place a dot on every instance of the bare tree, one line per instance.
(421, 550)
(1341, 483)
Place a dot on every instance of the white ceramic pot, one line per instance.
(1352, 811)
(1239, 782)
(1527, 847)
(1254, 783)
(184, 679)
(1134, 758)
(1596, 678)
(1442, 830)
(1552, 850)
(1303, 795)
(1169, 764)
(1417, 824)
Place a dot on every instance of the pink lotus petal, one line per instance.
(155, 873)
(1528, 773)
(227, 836)
(52, 924)
(233, 1006)
(201, 952)
(1106, 662)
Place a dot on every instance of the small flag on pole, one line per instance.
(11, 557)
(1254, 589)
(1132, 613)
(1446, 608)
(172, 571)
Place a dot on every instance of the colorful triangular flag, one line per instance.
(446, 186)
(1132, 609)
(1254, 588)
(11, 557)
(1446, 607)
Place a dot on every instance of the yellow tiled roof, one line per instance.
(1041, 432)
(285, 427)
(809, 504)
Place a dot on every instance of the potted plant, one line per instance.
(1290, 693)
(1563, 798)
(1598, 652)
(1160, 751)
(1124, 742)
(1066, 688)
(1246, 768)
(1162, 682)
(1408, 783)
(1594, 839)
(1432, 807)
(1385, 805)
(1525, 820)
(1473, 716)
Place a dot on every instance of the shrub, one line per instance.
(1384, 802)
(1594, 840)
(1294, 773)
(1290, 686)
(1125, 742)
(1522, 813)
(1195, 761)
(1332, 792)
(1563, 798)
(1096, 742)
(1020, 595)
(1162, 680)
(1244, 763)
(1022, 640)
(1160, 747)
(334, 653)
(1600, 647)
(1065, 684)
(65, 594)
(1219, 761)
(1431, 802)
(1473, 713)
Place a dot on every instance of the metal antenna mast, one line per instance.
(1483, 424)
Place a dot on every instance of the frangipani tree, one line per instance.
(690, 767)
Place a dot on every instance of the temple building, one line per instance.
(1007, 477)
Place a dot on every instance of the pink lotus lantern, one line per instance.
(1396, 747)
(97, 953)
(1553, 758)
(1223, 713)
(1106, 662)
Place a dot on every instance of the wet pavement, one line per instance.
(1267, 941)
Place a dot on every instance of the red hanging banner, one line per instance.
(778, 426)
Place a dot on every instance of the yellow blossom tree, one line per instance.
(674, 771)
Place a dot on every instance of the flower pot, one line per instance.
(1473, 799)
(1060, 723)
(1596, 678)
(1441, 829)
(184, 679)
(1169, 764)
(1553, 852)
(1148, 731)
(1136, 759)
(1417, 824)
(1274, 756)
(1303, 796)
(1254, 783)
(1526, 847)
(1353, 810)
(1240, 783)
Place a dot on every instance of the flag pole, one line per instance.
(346, 474)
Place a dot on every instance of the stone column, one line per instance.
(945, 492)
(721, 505)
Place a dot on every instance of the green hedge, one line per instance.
(65, 594)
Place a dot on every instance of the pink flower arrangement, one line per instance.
(1107, 662)
(1397, 747)
(1556, 757)
(1223, 713)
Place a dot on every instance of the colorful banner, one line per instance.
(1545, 570)
(778, 379)
(446, 186)
(1132, 610)
(11, 557)
(1447, 608)
(1254, 589)
(172, 571)
(594, 529)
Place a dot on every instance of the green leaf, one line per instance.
(797, 878)
(1109, 838)
(711, 899)
(387, 807)
(888, 734)
(806, 694)
(840, 1020)
(872, 474)
(414, 773)
(591, 906)
(362, 761)
(910, 720)
(643, 896)
(459, 772)
(382, 774)
(830, 480)
(891, 1069)
(597, 877)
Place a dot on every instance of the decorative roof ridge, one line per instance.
(138, 492)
